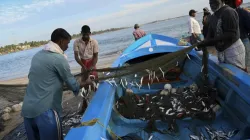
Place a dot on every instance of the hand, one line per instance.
(86, 82)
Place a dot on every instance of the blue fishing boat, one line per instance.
(232, 84)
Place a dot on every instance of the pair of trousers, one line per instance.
(46, 126)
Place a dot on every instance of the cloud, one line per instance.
(13, 13)
(127, 9)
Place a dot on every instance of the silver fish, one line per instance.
(132, 84)
(177, 64)
(126, 83)
(163, 74)
(151, 137)
(205, 110)
(152, 115)
(168, 111)
(202, 68)
(161, 108)
(203, 103)
(232, 133)
(148, 86)
(157, 78)
(195, 109)
(148, 109)
(188, 57)
(122, 84)
(135, 75)
(193, 137)
(159, 103)
(140, 104)
(79, 105)
(154, 97)
(141, 80)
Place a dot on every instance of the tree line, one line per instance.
(32, 44)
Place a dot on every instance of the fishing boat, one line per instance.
(231, 83)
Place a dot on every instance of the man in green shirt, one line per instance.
(42, 102)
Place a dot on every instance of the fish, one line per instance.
(163, 74)
(122, 84)
(140, 104)
(202, 68)
(151, 137)
(157, 79)
(233, 133)
(79, 105)
(135, 75)
(159, 103)
(152, 115)
(193, 137)
(148, 86)
(148, 109)
(161, 108)
(188, 57)
(108, 73)
(154, 97)
(177, 64)
(203, 103)
(195, 109)
(168, 111)
(132, 84)
(141, 80)
(126, 83)
(205, 110)
(18, 134)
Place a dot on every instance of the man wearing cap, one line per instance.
(138, 33)
(224, 34)
(205, 21)
(194, 28)
(244, 23)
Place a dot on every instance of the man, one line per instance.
(86, 55)
(42, 101)
(205, 21)
(244, 23)
(138, 33)
(224, 34)
(86, 51)
(194, 28)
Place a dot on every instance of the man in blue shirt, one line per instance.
(42, 102)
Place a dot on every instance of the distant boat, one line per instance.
(233, 87)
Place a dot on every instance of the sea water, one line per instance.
(16, 65)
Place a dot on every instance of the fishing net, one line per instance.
(155, 68)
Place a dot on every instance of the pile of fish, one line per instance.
(170, 104)
(70, 121)
(214, 134)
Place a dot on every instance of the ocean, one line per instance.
(16, 65)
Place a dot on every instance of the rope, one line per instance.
(94, 121)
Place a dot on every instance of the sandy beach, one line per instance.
(8, 98)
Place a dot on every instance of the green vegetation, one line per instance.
(28, 45)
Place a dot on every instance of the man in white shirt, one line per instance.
(194, 28)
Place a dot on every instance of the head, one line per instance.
(192, 13)
(233, 3)
(216, 4)
(85, 33)
(136, 26)
(61, 37)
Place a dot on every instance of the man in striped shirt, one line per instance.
(138, 33)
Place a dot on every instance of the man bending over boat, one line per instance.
(138, 33)
(244, 23)
(42, 103)
(224, 34)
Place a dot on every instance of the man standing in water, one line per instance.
(244, 23)
(42, 103)
(194, 28)
(138, 33)
(224, 34)
(86, 55)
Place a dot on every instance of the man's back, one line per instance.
(44, 90)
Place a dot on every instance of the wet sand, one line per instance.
(14, 128)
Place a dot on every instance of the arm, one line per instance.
(95, 55)
(63, 69)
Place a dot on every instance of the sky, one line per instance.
(27, 20)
